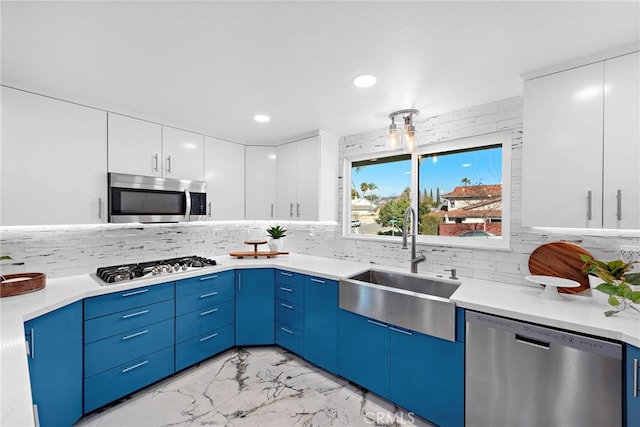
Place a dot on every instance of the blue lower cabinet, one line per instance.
(632, 385)
(205, 320)
(321, 322)
(364, 351)
(126, 378)
(54, 341)
(204, 346)
(290, 338)
(255, 313)
(427, 376)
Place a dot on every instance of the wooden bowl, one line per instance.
(21, 283)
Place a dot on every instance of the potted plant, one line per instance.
(276, 233)
(613, 279)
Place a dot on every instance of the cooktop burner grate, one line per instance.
(119, 273)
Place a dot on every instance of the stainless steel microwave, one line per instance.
(134, 198)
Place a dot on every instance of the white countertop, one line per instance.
(574, 313)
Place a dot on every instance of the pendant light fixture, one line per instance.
(408, 135)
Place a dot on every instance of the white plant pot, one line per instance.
(599, 297)
(276, 245)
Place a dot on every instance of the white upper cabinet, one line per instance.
(307, 179)
(135, 146)
(224, 172)
(54, 161)
(260, 182)
(139, 147)
(580, 138)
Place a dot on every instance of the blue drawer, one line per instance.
(106, 326)
(290, 286)
(126, 300)
(290, 313)
(290, 338)
(204, 298)
(127, 378)
(204, 346)
(198, 322)
(204, 283)
(112, 351)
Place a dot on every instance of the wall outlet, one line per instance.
(630, 253)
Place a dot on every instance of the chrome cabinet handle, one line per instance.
(155, 160)
(210, 209)
(210, 294)
(290, 307)
(286, 289)
(286, 330)
(126, 316)
(208, 337)
(168, 164)
(284, 273)
(271, 210)
(204, 313)
(589, 198)
(402, 331)
(239, 281)
(318, 281)
(298, 210)
(187, 205)
(291, 209)
(619, 200)
(137, 334)
(137, 365)
(99, 207)
(32, 343)
(215, 276)
(141, 291)
(635, 378)
(377, 323)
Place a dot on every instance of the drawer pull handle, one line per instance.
(290, 307)
(137, 365)
(286, 289)
(141, 291)
(215, 276)
(284, 273)
(126, 316)
(318, 281)
(209, 337)
(209, 294)
(204, 313)
(376, 323)
(286, 330)
(635, 378)
(400, 330)
(137, 334)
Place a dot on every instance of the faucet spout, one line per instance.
(414, 222)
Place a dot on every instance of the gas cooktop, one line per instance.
(119, 273)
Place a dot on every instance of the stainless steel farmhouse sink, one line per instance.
(418, 303)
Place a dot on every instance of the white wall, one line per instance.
(62, 251)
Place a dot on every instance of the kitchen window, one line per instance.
(460, 189)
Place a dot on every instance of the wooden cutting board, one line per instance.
(560, 259)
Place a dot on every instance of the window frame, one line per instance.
(502, 139)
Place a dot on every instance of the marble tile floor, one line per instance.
(253, 386)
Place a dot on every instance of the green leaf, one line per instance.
(607, 288)
(635, 297)
(613, 301)
(633, 279)
(610, 313)
(625, 291)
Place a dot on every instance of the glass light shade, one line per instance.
(410, 141)
(393, 140)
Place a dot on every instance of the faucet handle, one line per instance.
(453, 274)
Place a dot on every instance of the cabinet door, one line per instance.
(364, 351)
(632, 385)
(55, 365)
(308, 179)
(427, 376)
(562, 150)
(321, 322)
(255, 313)
(182, 154)
(260, 188)
(622, 142)
(286, 184)
(42, 179)
(135, 146)
(224, 174)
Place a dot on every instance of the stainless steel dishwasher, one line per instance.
(518, 374)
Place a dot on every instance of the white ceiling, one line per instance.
(211, 66)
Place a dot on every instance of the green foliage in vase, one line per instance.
(276, 232)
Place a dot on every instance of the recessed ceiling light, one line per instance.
(364, 80)
(261, 118)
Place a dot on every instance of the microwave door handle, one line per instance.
(187, 205)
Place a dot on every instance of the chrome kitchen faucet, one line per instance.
(414, 222)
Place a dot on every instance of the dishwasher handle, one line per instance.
(532, 342)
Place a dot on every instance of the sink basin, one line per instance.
(414, 302)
